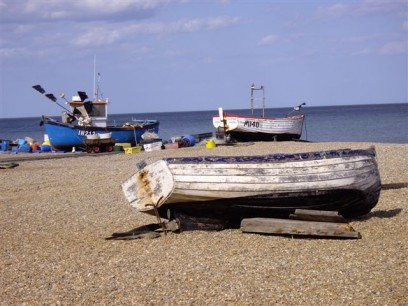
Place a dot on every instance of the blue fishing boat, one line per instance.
(88, 120)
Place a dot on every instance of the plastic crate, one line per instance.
(153, 146)
(133, 150)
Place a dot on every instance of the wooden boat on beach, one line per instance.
(259, 128)
(231, 188)
(250, 128)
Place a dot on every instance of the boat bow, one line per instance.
(149, 187)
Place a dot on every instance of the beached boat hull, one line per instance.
(236, 187)
(249, 128)
(63, 135)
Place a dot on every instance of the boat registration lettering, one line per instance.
(86, 133)
(250, 123)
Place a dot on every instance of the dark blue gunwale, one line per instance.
(278, 157)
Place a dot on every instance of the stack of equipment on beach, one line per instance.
(21, 145)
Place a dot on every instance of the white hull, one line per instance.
(186, 182)
(252, 128)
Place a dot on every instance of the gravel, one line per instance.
(55, 214)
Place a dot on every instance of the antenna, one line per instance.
(98, 93)
(95, 94)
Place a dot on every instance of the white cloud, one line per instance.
(12, 52)
(368, 7)
(23, 28)
(224, 2)
(208, 60)
(114, 32)
(335, 10)
(220, 22)
(210, 23)
(362, 38)
(268, 40)
(363, 8)
(98, 36)
(44, 10)
(364, 51)
(405, 25)
(178, 53)
(394, 47)
(88, 23)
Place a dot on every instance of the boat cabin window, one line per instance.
(97, 110)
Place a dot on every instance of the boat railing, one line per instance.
(253, 99)
(296, 109)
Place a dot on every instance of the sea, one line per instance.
(383, 123)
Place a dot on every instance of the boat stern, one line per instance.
(149, 187)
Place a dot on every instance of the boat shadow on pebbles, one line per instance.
(177, 223)
(8, 165)
(385, 214)
(142, 232)
(381, 214)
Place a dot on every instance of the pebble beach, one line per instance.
(56, 211)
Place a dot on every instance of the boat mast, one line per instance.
(252, 99)
(97, 79)
(95, 95)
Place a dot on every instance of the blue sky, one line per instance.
(181, 55)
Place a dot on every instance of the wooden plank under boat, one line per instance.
(298, 227)
(237, 187)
